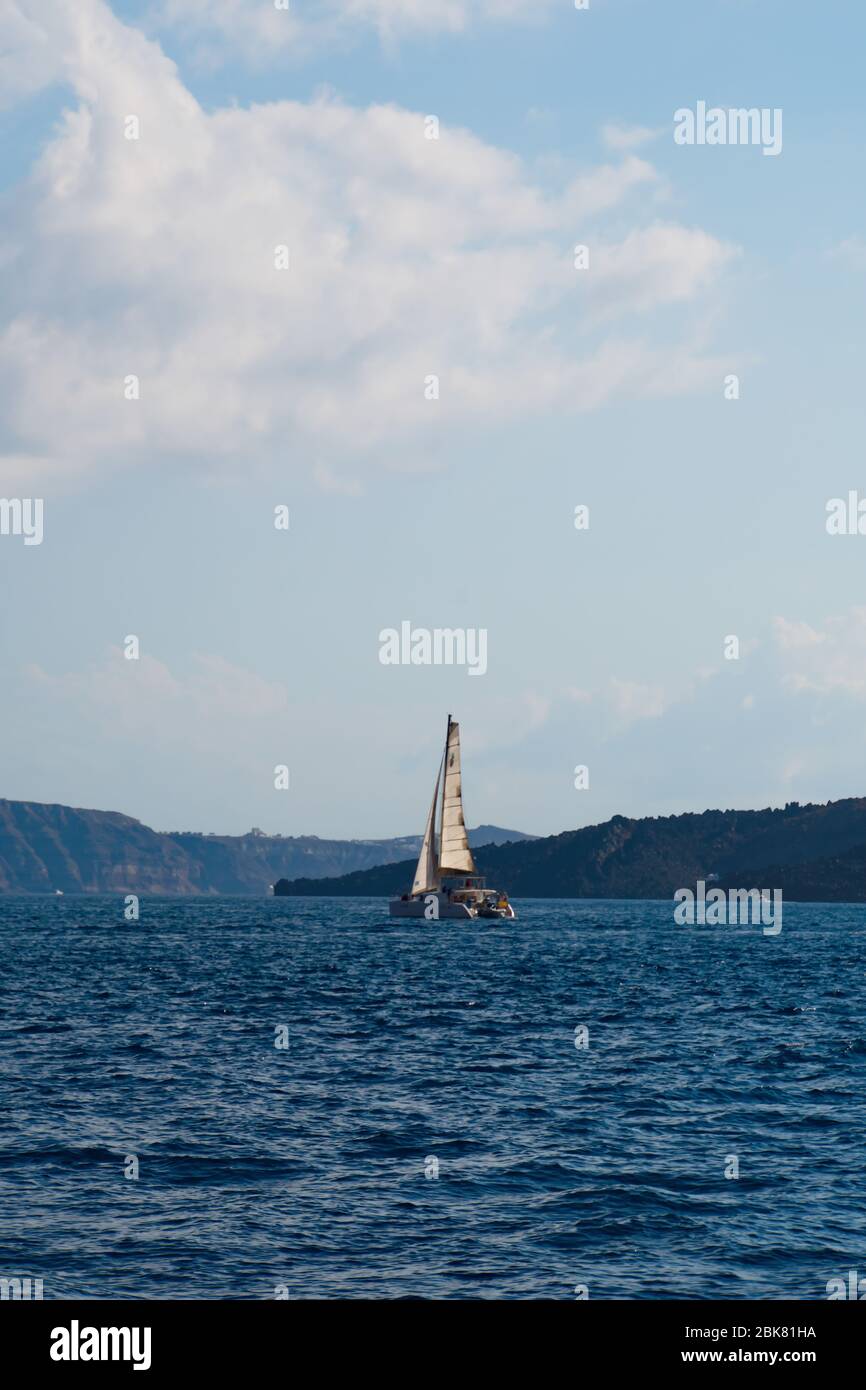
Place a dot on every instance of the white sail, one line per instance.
(427, 874)
(455, 855)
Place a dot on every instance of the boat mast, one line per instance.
(442, 810)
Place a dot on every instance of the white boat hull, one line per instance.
(438, 907)
(420, 907)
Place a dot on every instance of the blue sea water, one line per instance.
(304, 1167)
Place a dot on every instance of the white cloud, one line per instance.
(852, 251)
(792, 635)
(538, 709)
(785, 722)
(260, 31)
(633, 701)
(451, 13)
(826, 661)
(408, 257)
(29, 60)
(660, 264)
(116, 733)
(207, 709)
(619, 137)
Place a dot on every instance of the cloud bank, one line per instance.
(260, 31)
(284, 282)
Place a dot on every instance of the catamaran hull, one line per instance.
(440, 909)
(417, 907)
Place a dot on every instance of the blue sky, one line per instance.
(409, 257)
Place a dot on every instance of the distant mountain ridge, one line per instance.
(811, 852)
(45, 848)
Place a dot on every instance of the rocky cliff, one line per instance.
(44, 848)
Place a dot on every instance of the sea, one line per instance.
(298, 1098)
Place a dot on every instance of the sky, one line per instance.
(157, 158)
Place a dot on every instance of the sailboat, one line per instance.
(447, 884)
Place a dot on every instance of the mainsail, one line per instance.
(454, 853)
(427, 873)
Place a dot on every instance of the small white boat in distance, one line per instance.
(446, 882)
